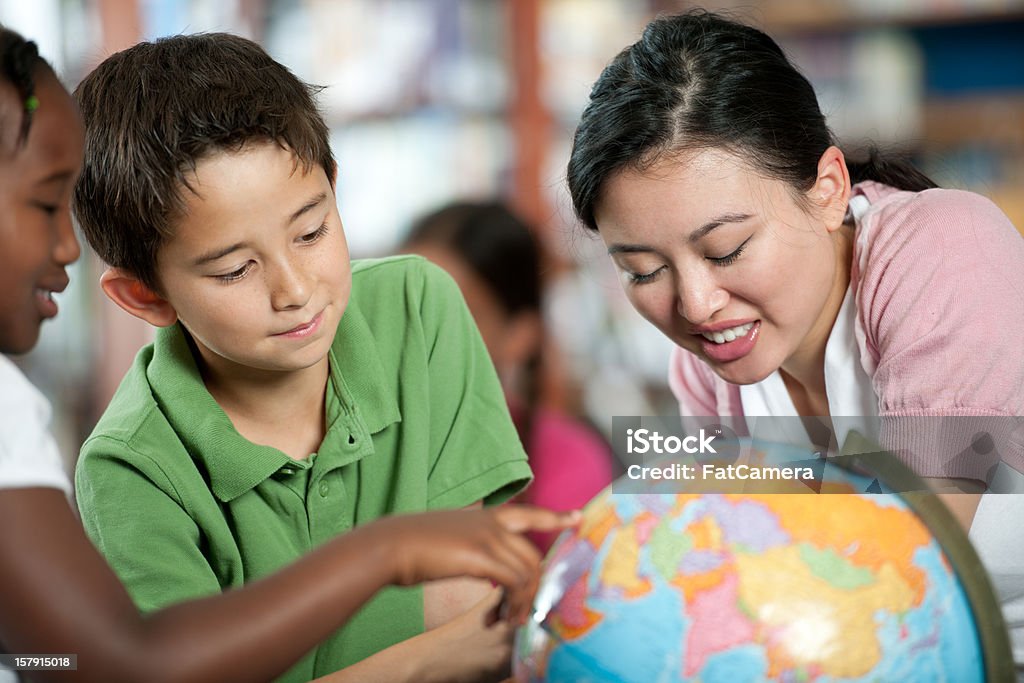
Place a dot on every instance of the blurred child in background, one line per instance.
(494, 258)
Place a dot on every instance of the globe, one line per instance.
(662, 584)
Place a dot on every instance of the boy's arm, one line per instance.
(474, 448)
(146, 535)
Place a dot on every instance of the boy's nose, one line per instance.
(290, 288)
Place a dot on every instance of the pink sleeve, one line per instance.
(941, 300)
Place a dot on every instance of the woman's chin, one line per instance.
(740, 371)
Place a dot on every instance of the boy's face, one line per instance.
(258, 269)
(37, 241)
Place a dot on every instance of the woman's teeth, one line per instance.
(728, 335)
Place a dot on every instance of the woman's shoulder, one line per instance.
(934, 231)
(937, 216)
(933, 267)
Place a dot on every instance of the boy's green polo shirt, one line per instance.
(183, 506)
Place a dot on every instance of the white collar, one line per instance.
(852, 402)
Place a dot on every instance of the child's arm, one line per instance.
(59, 596)
(446, 600)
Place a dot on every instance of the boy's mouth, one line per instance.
(305, 329)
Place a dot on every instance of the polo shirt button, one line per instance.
(324, 489)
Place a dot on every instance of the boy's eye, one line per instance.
(235, 274)
(311, 237)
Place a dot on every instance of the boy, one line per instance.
(288, 397)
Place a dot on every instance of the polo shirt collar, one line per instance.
(356, 366)
(233, 463)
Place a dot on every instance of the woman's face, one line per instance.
(726, 262)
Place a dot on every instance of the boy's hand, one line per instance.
(483, 543)
(472, 648)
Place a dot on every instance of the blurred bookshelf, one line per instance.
(792, 16)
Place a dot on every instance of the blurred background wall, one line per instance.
(432, 100)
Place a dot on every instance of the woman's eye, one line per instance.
(641, 278)
(47, 208)
(311, 237)
(729, 258)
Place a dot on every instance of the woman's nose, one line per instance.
(700, 298)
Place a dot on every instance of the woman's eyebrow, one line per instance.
(715, 222)
(629, 249)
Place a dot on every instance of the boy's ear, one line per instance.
(831, 191)
(130, 294)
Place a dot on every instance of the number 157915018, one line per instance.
(39, 662)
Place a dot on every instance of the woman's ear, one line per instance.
(831, 190)
(129, 293)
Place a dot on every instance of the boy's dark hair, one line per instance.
(698, 80)
(18, 60)
(154, 111)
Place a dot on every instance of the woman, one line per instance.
(796, 283)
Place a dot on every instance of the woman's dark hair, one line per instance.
(494, 242)
(698, 80)
(18, 59)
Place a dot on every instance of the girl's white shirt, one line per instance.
(28, 452)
